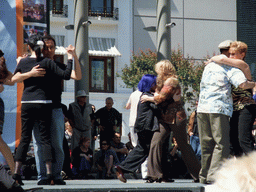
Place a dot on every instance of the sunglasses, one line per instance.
(104, 144)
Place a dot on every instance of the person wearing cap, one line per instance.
(79, 115)
(243, 117)
(224, 47)
(215, 107)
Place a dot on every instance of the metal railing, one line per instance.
(104, 12)
(63, 12)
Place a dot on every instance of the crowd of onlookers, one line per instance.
(84, 161)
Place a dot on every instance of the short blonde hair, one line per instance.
(164, 70)
(239, 46)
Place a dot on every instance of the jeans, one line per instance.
(83, 168)
(195, 144)
(57, 136)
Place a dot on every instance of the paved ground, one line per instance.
(115, 185)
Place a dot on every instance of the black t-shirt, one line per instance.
(76, 158)
(108, 118)
(41, 88)
(57, 86)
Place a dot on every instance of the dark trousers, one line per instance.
(241, 125)
(139, 154)
(155, 166)
(31, 113)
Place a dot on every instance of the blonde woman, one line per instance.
(171, 118)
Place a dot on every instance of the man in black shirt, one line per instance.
(57, 123)
(109, 118)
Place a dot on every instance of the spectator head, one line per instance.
(35, 44)
(238, 50)
(104, 144)
(117, 138)
(31, 31)
(81, 97)
(146, 83)
(109, 103)
(68, 127)
(84, 141)
(94, 108)
(45, 33)
(3, 69)
(49, 46)
(224, 47)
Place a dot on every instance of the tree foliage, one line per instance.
(141, 63)
(189, 71)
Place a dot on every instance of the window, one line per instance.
(56, 6)
(246, 27)
(104, 8)
(101, 74)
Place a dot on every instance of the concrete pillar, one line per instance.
(81, 43)
(163, 32)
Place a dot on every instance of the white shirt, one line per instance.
(215, 88)
(134, 100)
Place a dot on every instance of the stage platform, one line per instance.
(114, 185)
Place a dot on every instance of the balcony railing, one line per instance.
(104, 12)
(63, 12)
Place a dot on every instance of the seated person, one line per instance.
(105, 160)
(129, 144)
(82, 159)
(119, 147)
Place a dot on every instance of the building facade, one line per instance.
(117, 31)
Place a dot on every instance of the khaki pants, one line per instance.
(214, 139)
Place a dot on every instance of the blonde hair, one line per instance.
(239, 46)
(237, 174)
(164, 70)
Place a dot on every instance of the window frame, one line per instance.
(105, 74)
(53, 9)
(104, 14)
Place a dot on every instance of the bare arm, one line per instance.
(128, 105)
(8, 81)
(247, 85)
(1, 88)
(35, 72)
(123, 150)
(75, 74)
(191, 123)
(240, 64)
(145, 98)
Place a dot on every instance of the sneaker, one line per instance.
(59, 182)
